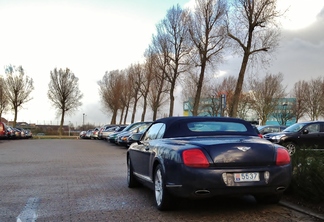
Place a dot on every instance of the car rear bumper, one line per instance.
(201, 183)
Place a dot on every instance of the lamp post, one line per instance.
(83, 122)
(69, 128)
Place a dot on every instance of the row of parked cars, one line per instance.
(8, 132)
(119, 134)
(304, 134)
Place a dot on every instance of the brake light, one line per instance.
(283, 157)
(195, 158)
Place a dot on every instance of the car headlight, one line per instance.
(276, 138)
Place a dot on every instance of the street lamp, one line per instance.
(83, 121)
(69, 128)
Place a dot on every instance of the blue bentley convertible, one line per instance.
(202, 157)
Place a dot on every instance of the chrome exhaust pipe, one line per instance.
(202, 192)
(281, 188)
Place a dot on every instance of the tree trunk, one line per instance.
(113, 118)
(121, 116)
(15, 118)
(126, 112)
(144, 109)
(61, 124)
(199, 87)
(134, 110)
(239, 85)
(171, 99)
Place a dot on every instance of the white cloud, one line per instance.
(300, 13)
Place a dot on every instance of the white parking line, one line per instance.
(29, 212)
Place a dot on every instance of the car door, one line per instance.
(312, 137)
(321, 137)
(142, 153)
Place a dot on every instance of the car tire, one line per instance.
(131, 180)
(291, 147)
(268, 199)
(163, 199)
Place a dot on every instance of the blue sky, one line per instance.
(95, 36)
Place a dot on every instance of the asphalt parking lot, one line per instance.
(85, 180)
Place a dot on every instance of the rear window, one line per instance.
(216, 127)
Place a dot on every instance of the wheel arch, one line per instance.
(156, 162)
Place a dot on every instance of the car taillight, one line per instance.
(283, 157)
(195, 158)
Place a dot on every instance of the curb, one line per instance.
(302, 210)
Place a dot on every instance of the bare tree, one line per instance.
(299, 105)
(171, 44)
(314, 95)
(245, 105)
(252, 25)
(64, 93)
(146, 87)
(208, 34)
(135, 76)
(157, 95)
(266, 93)
(3, 97)
(110, 89)
(19, 88)
(125, 98)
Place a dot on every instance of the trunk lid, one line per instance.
(229, 151)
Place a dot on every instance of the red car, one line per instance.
(3, 130)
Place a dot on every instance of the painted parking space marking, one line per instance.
(29, 213)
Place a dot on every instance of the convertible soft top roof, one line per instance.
(177, 126)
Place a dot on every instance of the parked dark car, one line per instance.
(106, 130)
(114, 130)
(112, 137)
(300, 135)
(28, 134)
(25, 134)
(18, 133)
(123, 138)
(271, 129)
(11, 132)
(202, 157)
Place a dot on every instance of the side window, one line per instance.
(266, 130)
(275, 129)
(161, 132)
(154, 132)
(313, 128)
(322, 127)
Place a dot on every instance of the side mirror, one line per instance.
(135, 137)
